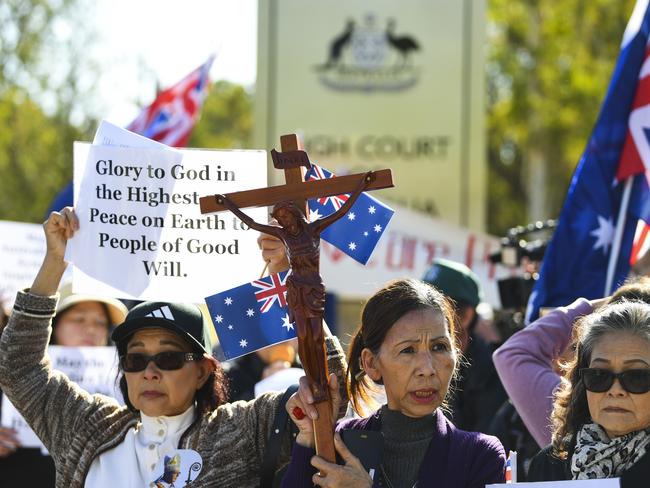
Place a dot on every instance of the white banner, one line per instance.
(604, 483)
(412, 240)
(92, 368)
(22, 247)
(142, 234)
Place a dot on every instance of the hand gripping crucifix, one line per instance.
(305, 289)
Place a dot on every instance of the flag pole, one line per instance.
(618, 234)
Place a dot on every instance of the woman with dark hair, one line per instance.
(173, 388)
(601, 414)
(407, 343)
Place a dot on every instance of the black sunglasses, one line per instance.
(601, 380)
(169, 360)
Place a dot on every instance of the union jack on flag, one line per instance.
(171, 117)
(241, 325)
(337, 201)
(269, 293)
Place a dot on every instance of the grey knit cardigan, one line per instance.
(76, 427)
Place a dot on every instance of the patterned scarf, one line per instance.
(598, 456)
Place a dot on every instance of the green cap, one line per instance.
(455, 280)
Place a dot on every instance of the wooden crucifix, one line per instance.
(305, 289)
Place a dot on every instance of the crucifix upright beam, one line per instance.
(305, 289)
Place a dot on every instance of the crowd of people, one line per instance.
(440, 398)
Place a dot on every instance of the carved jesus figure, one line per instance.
(305, 289)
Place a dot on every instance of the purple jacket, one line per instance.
(525, 365)
(454, 459)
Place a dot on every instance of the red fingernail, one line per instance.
(298, 413)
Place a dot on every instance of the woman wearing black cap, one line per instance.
(173, 389)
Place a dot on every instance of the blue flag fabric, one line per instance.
(576, 261)
(358, 232)
(252, 316)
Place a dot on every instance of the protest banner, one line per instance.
(142, 235)
(410, 243)
(22, 247)
(603, 483)
(92, 368)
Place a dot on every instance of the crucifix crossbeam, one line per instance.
(296, 191)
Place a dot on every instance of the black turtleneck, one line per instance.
(406, 440)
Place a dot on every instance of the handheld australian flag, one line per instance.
(609, 189)
(359, 231)
(252, 316)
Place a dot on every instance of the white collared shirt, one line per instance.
(131, 464)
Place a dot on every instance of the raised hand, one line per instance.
(8, 441)
(273, 252)
(351, 475)
(302, 411)
(58, 228)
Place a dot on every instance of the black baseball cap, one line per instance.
(184, 319)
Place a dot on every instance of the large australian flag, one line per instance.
(358, 232)
(618, 152)
(252, 316)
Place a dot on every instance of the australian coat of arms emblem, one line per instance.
(368, 57)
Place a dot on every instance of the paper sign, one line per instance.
(93, 368)
(604, 483)
(22, 247)
(279, 381)
(142, 235)
(177, 469)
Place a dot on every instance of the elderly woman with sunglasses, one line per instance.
(601, 414)
(173, 389)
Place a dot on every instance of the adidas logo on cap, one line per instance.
(161, 313)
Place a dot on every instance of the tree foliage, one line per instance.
(549, 65)
(43, 70)
(226, 118)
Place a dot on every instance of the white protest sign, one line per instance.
(92, 368)
(604, 483)
(111, 135)
(142, 235)
(22, 247)
(411, 241)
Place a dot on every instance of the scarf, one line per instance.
(598, 456)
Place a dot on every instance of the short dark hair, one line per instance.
(395, 300)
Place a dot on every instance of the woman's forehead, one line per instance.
(155, 335)
(417, 324)
(621, 344)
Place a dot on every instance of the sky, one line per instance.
(139, 41)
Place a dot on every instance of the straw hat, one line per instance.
(116, 310)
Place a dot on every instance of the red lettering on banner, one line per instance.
(430, 247)
(469, 252)
(401, 255)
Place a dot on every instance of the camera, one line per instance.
(522, 249)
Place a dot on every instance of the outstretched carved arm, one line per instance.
(330, 219)
(267, 229)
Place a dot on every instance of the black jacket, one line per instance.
(478, 394)
(546, 467)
